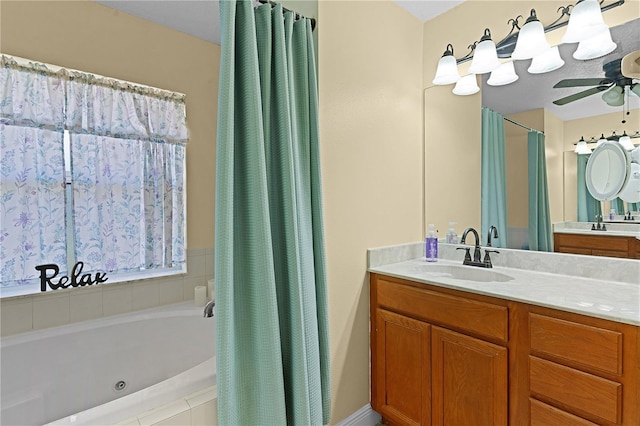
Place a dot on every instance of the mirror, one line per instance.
(608, 170)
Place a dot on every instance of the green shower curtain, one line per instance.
(271, 296)
(494, 184)
(588, 207)
(540, 232)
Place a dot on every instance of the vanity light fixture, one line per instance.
(547, 61)
(447, 72)
(531, 39)
(585, 22)
(504, 74)
(601, 140)
(467, 85)
(581, 147)
(625, 141)
(485, 58)
(594, 47)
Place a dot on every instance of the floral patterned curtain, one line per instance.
(32, 188)
(127, 161)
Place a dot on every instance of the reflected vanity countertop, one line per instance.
(616, 299)
(631, 229)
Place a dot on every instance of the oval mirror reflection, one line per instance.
(631, 192)
(608, 170)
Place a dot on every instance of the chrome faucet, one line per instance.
(495, 234)
(486, 262)
(208, 309)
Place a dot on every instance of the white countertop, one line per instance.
(612, 300)
(631, 229)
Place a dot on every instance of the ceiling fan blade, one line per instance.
(579, 82)
(580, 95)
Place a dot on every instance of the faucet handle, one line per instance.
(487, 259)
(467, 256)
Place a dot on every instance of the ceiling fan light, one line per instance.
(582, 147)
(503, 75)
(447, 71)
(584, 22)
(531, 39)
(626, 143)
(467, 85)
(485, 57)
(613, 95)
(595, 47)
(547, 61)
(636, 89)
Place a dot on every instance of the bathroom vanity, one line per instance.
(619, 240)
(452, 345)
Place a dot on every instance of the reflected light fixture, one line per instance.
(504, 74)
(601, 140)
(636, 89)
(531, 39)
(585, 21)
(485, 58)
(625, 141)
(596, 46)
(467, 85)
(547, 61)
(613, 96)
(582, 147)
(447, 72)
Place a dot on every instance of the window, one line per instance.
(92, 170)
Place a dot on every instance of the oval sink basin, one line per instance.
(465, 273)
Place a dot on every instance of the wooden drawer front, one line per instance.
(590, 346)
(481, 318)
(573, 250)
(594, 242)
(546, 415)
(584, 392)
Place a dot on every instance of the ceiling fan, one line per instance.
(613, 80)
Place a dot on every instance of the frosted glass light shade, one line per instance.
(585, 21)
(467, 85)
(613, 96)
(626, 143)
(505, 74)
(582, 147)
(485, 57)
(447, 71)
(596, 46)
(547, 61)
(601, 140)
(636, 89)
(531, 39)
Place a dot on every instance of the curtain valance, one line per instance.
(88, 103)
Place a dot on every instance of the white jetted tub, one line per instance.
(103, 371)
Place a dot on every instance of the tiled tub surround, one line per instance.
(631, 229)
(165, 355)
(52, 308)
(605, 288)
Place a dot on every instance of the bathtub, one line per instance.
(103, 371)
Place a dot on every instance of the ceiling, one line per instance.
(200, 18)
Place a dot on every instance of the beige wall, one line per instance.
(86, 36)
(461, 26)
(370, 69)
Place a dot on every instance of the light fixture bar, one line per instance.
(505, 47)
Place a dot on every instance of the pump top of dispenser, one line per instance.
(432, 232)
(452, 237)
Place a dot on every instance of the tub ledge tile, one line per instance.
(164, 412)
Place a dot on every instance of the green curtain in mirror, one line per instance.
(617, 205)
(271, 297)
(588, 207)
(494, 182)
(540, 232)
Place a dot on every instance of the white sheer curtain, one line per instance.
(32, 189)
(127, 165)
(128, 158)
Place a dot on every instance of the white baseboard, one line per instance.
(365, 416)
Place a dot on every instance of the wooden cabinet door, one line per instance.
(403, 386)
(469, 380)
